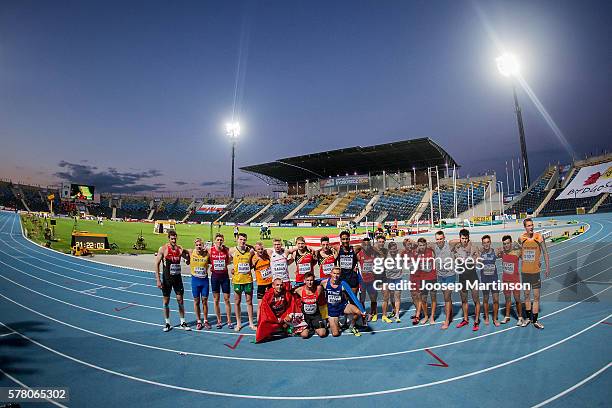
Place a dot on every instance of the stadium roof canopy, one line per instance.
(392, 157)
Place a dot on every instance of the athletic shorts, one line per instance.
(468, 276)
(247, 288)
(336, 310)
(351, 278)
(315, 321)
(171, 282)
(261, 290)
(199, 287)
(422, 286)
(447, 279)
(490, 279)
(368, 287)
(533, 279)
(220, 282)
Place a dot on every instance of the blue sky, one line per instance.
(134, 95)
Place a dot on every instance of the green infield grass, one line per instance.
(124, 234)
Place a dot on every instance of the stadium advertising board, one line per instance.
(82, 192)
(210, 209)
(590, 181)
(345, 181)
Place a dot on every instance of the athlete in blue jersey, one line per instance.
(338, 305)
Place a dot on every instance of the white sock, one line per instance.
(182, 320)
(167, 320)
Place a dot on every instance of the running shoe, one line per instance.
(374, 317)
(355, 332)
(185, 326)
(476, 326)
(390, 314)
(505, 320)
(415, 321)
(167, 327)
(525, 322)
(199, 326)
(386, 319)
(520, 321)
(538, 325)
(219, 326)
(207, 325)
(397, 320)
(462, 324)
(230, 325)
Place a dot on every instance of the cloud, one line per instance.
(213, 183)
(109, 180)
(181, 183)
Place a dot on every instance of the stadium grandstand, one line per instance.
(371, 193)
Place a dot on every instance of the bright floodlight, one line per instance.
(507, 65)
(232, 129)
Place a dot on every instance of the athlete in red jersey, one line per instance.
(510, 255)
(426, 274)
(304, 259)
(219, 279)
(313, 300)
(326, 258)
(366, 266)
(171, 255)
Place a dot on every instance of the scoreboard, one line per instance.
(90, 241)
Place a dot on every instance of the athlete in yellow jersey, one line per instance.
(533, 248)
(200, 261)
(242, 279)
(263, 272)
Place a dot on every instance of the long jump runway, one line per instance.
(96, 329)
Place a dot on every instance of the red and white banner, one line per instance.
(211, 209)
(590, 181)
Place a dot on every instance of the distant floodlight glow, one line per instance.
(507, 65)
(232, 129)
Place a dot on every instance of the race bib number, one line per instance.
(508, 267)
(333, 299)
(200, 272)
(529, 255)
(219, 264)
(426, 265)
(175, 269)
(367, 267)
(244, 268)
(279, 270)
(327, 268)
(310, 308)
(303, 268)
(488, 269)
(265, 273)
(346, 262)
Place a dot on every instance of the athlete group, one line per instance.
(348, 275)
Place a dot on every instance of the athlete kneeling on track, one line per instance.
(314, 307)
(338, 305)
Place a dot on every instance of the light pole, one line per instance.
(508, 66)
(233, 131)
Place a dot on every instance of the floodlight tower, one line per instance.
(508, 66)
(232, 130)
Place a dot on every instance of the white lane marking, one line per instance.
(572, 388)
(16, 381)
(5, 334)
(307, 397)
(362, 357)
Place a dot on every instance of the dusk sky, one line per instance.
(134, 95)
